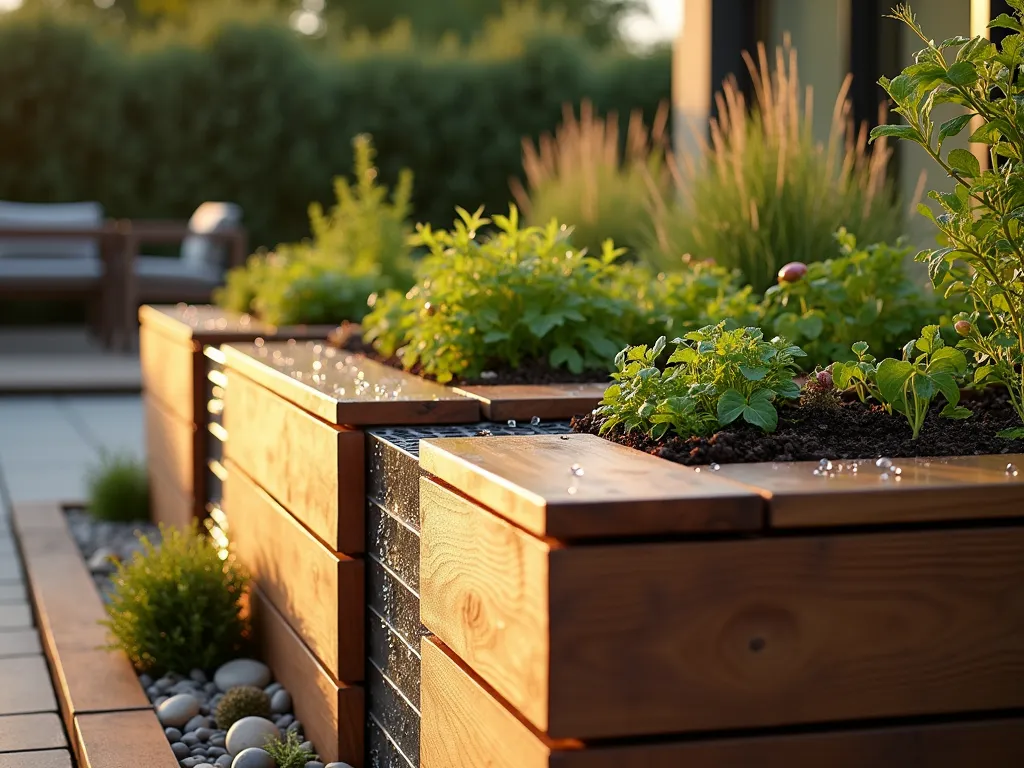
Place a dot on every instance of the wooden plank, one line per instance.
(531, 481)
(213, 325)
(349, 389)
(26, 686)
(925, 490)
(19, 733)
(168, 503)
(19, 642)
(170, 446)
(122, 740)
(465, 725)
(653, 638)
(331, 713)
(169, 371)
(96, 680)
(501, 402)
(50, 758)
(319, 593)
(313, 469)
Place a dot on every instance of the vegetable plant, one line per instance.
(177, 606)
(859, 375)
(715, 376)
(928, 368)
(980, 219)
(516, 296)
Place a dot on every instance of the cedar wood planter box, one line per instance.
(178, 348)
(106, 714)
(638, 613)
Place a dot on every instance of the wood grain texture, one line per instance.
(26, 686)
(168, 502)
(213, 325)
(95, 680)
(169, 370)
(24, 732)
(122, 740)
(926, 490)
(331, 713)
(621, 492)
(319, 593)
(501, 402)
(171, 445)
(49, 758)
(352, 389)
(466, 725)
(315, 470)
(635, 639)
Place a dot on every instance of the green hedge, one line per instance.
(254, 115)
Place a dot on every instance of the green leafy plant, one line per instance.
(863, 294)
(580, 176)
(859, 375)
(981, 217)
(241, 701)
(928, 368)
(715, 376)
(764, 191)
(517, 296)
(118, 488)
(177, 606)
(289, 752)
(359, 247)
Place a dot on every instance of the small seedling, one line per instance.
(289, 752)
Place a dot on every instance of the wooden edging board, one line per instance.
(522, 402)
(103, 706)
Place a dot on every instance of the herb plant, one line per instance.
(859, 375)
(981, 217)
(289, 752)
(177, 606)
(118, 488)
(714, 377)
(516, 296)
(928, 368)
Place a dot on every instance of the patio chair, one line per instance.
(212, 241)
(63, 250)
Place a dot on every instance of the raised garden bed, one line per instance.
(183, 392)
(595, 605)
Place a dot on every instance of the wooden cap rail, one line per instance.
(102, 703)
(501, 402)
(212, 325)
(348, 389)
(580, 486)
(908, 491)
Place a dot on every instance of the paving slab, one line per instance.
(20, 733)
(15, 616)
(49, 758)
(26, 686)
(20, 642)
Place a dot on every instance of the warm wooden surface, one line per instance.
(122, 740)
(212, 325)
(20, 733)
(26, 686)
(96, 680)
(501, 402)
(465, 725)
(50, 758)
(649, 638)
(170, 445)
(331, 713)
(315, 470)
(950, 488)
(168, 369)
(319, 593)
(19, 642)
(621, 492)
(354, 390)
(168, 502)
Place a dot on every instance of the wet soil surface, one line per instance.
(847, 431)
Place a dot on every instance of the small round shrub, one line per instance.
(243, 701)
(177, 606)
(289, 752)
(118, 488)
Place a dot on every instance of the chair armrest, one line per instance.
(108, 230)
(159, 232)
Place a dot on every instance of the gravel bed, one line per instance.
(102, 541)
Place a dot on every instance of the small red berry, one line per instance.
(963, 327)
(792, 272)
(825, 379)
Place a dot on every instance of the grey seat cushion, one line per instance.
(49, 216)
(49, 267)
(200, 252)
(155, 268)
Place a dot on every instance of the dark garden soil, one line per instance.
(847, 431)
(530, 372)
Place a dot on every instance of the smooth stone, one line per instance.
(210, 687)
(253, 758)
(284, 721)
(197, 675)
(177, 710)
(314, 764)
(281, 702)
(219, 739)
(190, 738)
(196, 723)
(295, 726)
(160, 700)
(242, 672)
(337, 765)
(152, 691)
(192, 762)
(145, 680)
(273, 688)
(204, 709)
(250, 732)
(184, 686)
(215, 751)
(100, 560)
(164, 683)
(172, 734)
(181, 751)
(204, 733)
(307, 745)
(224, 761)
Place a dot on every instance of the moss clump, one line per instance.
(243, 701)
